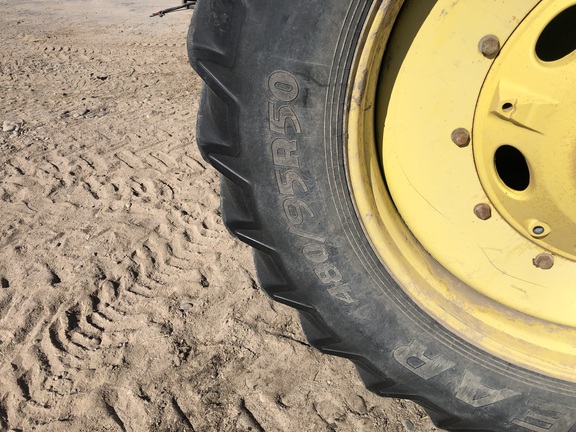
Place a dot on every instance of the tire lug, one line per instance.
(483, 211)
(489, 46)
(544, 261)
(461, 137)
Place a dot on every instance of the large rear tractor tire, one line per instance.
(404, 172)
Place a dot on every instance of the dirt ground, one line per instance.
(124, 303)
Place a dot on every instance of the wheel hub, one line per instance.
(517, 161)
(467, 190)
(525, 134)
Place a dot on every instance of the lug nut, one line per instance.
(538, 230)
(544, 261)
(483, 211)
(489, 46)
(461, 137)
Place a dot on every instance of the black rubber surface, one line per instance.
(271, 122)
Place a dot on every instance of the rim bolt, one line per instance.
(461, 137)
(489, 46)
(544, 261)
(483, 211)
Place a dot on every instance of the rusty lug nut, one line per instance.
(483, 211)
(489, 46)
(461, 137)
(544, 261)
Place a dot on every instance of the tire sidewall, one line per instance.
(286, 92)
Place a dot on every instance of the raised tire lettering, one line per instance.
(543, 417)
(286, 182)
(328, 273)
(283, 86)
(285, 153)
(295, 210)
(416, 359)
(473, 392)
(281, 119)
(315, 253)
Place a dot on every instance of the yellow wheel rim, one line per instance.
(461, 157)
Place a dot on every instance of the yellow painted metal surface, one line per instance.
(530, 104)
(476, 277)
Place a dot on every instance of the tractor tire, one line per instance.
(272, 121)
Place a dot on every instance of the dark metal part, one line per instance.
(483, 211)
(544, 261)
(489, 46)
(461, 137)
(538, 230)
(186, 5)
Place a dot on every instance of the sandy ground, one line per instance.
(124, 303)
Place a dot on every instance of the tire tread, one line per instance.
(213, 58)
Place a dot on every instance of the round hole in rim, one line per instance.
(512, 168)
(507, 107)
